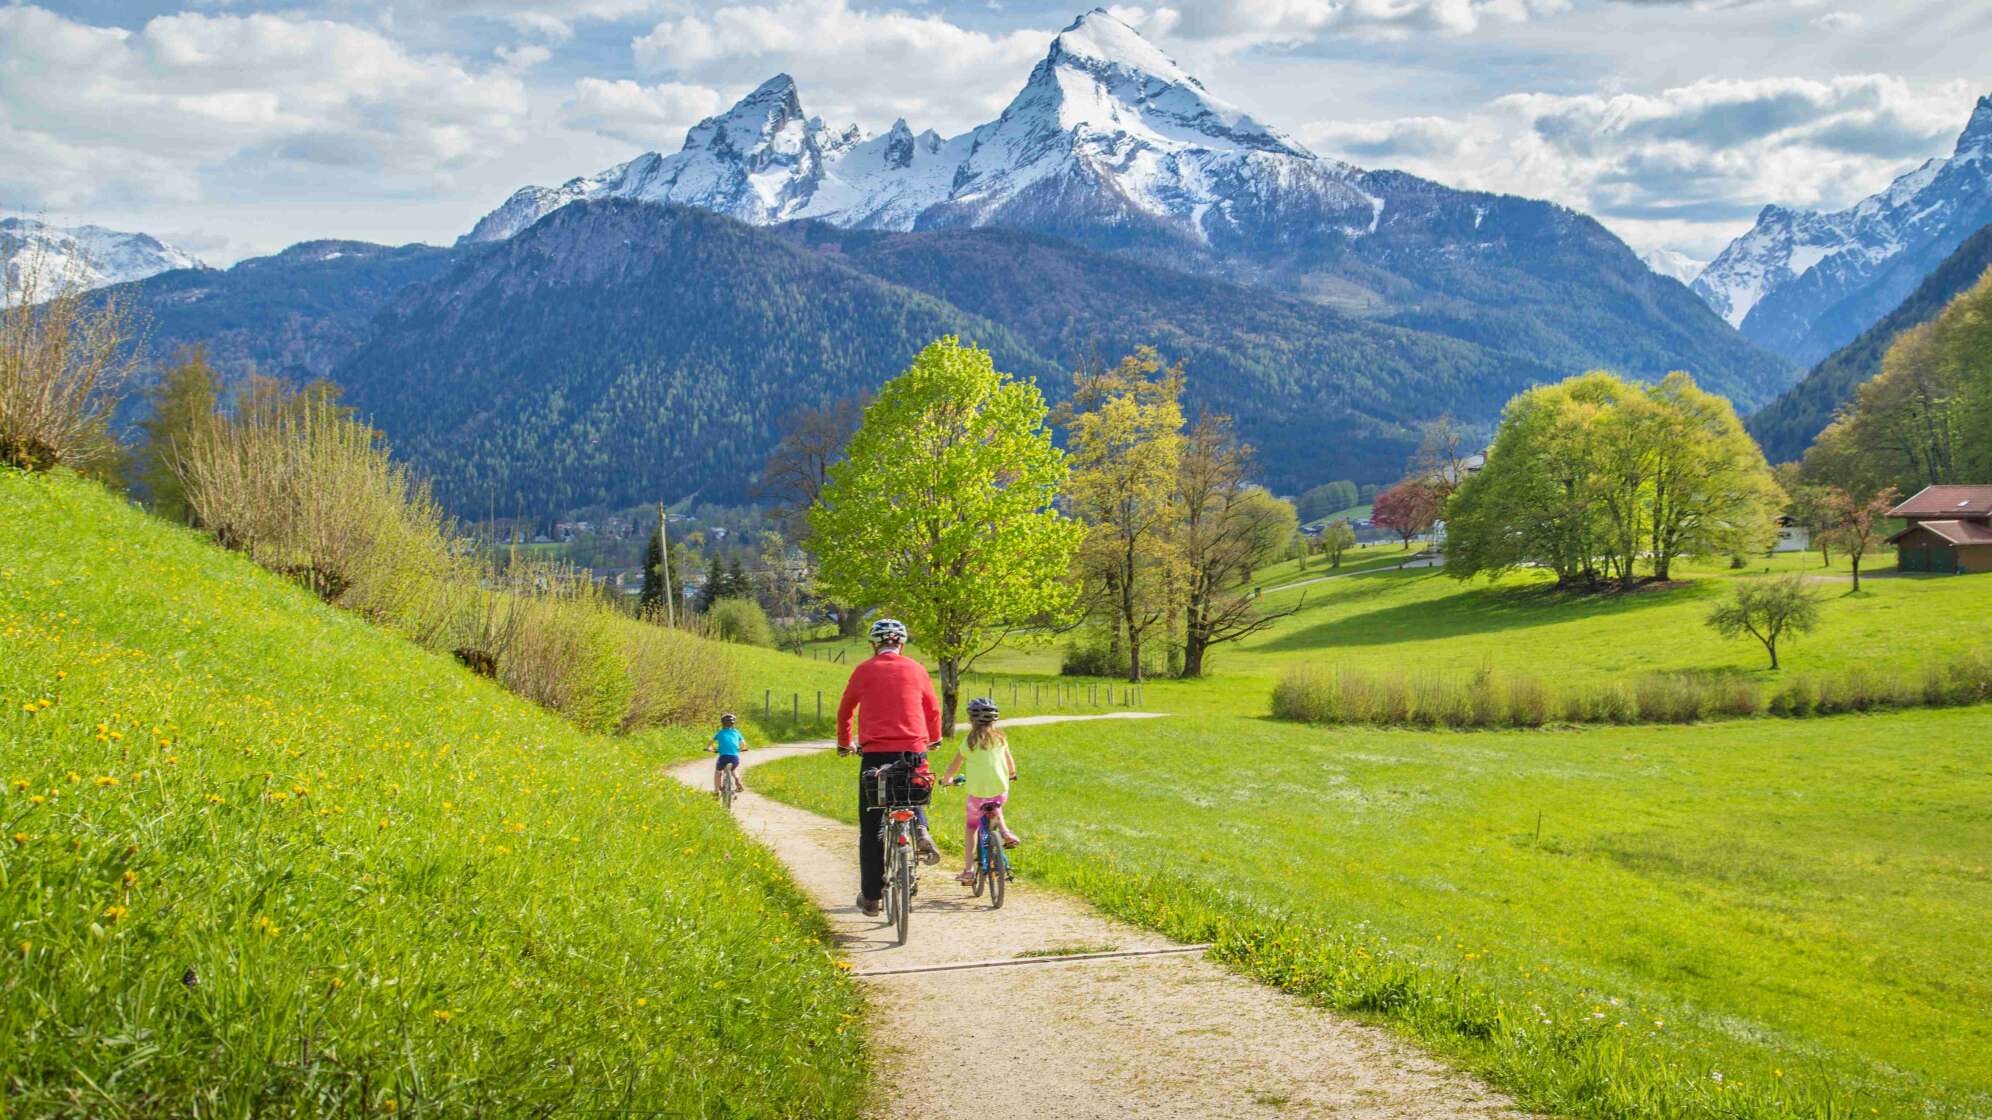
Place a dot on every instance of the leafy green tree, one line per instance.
(1124, 434)
(1325, 499)
(185, 396)
(942, 510)
(1768, 610)
(1337, 537)
(1712, 493)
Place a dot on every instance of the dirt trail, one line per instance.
(1153, 1036)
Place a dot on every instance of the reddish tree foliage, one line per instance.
(1407, 509)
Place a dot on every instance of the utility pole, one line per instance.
(664, 563)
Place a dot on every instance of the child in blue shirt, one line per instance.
(728, 744)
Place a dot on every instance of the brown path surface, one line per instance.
(1150, 1036)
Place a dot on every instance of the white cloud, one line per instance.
(880, 63)
(93, 115)
(1232, 25)
(654, 117)
(1839, 21)
(1692, 161)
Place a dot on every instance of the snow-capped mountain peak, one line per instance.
(91, 256)
(1673, 264)
(1803, 283)
(1107, 131)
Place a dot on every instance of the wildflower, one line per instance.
(642, 1002)
(103, 780)
(20, 838)
(388, 1105)
(29, 707)
(37, 799)
(20, 785)
(131, 878)
(62, 674)
(115, 912)
(269, 928)
(213, 799)
(441, 1015)
(336, 984)
(1715, 1075)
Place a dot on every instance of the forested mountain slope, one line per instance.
(1787, 426)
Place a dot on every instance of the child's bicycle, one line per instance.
(901, 810)
(992, 863)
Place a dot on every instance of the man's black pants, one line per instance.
(871, 815)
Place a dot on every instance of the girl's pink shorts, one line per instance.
(975, 805)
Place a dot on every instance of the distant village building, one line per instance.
(1950, 530)
(1792, 537)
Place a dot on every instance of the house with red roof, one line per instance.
(1949, 530)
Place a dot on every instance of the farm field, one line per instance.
(260, 857)
(1758, 918)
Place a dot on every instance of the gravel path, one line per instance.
(1171, 1036)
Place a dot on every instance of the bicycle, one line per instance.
(728, 786)
(992, 862)
(896, 824)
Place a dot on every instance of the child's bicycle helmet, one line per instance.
(982, 710)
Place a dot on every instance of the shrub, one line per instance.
(740, 621)
(66, 358)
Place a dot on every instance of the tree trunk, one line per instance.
(1857, 571)
(950, 694)
(1771, 645)
(1193, 655)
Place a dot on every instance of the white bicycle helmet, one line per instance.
(890, 630)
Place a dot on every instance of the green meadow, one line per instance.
(259, 857)
(1753, 917)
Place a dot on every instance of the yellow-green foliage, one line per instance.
(304, 488)
(262, 858)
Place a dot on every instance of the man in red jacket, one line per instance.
(900, 719)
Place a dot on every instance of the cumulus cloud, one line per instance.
(881, 63)
(92, 115)
(1240, 24)
(1696, 159)
(654, 116)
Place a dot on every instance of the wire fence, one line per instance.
(815, 709)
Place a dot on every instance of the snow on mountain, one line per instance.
(1106, 122)
(1673, 264)
(91, 256)
(1803, 283)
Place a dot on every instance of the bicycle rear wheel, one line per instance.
(903, 886)
(726, 787)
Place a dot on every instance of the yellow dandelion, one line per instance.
(29, 707)
(37, 799)
(337, 984)
(20, 785)
(103, 780)
(115, 912)
(131, 878)
(388, 1105)
(441, 1015)
(268, 927)
(642, 1002)
(20, 838)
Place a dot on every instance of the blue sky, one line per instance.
(235, 127)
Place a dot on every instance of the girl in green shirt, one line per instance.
(990, 768)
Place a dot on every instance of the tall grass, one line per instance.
(1488, 698)
(297, 483)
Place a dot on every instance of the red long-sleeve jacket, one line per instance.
(897, 700)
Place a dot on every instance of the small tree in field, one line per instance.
(1854, 524)
(1769, 611)
(941, 511)
(1336, 538)
(1409, 508)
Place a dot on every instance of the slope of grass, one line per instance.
(258, 858)
(1740, 919)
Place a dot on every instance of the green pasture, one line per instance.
(1757, 918)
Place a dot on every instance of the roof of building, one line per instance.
(1947, 501)
(1956, 532)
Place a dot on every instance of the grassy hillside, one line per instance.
(1740, 919)
(260, 858)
